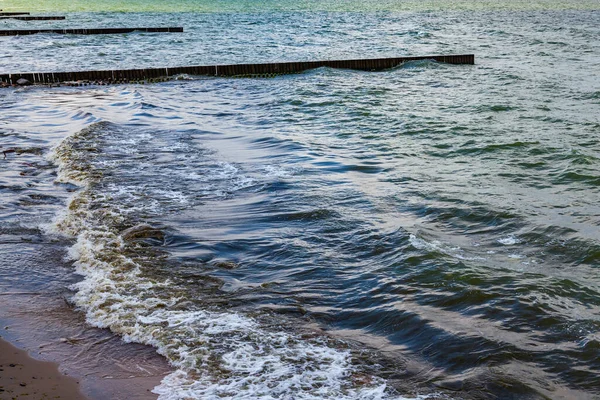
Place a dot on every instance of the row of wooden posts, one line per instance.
(239, 70)
(83, 31)
(157, 74)
(25, 16)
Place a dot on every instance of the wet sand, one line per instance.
(36, 316)
(24, 377)
(55, 337)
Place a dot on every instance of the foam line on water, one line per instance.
(216, 353)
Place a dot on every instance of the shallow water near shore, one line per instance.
(431, 231)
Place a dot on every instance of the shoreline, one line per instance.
(37, 320)
(94, 362)
(23, 375)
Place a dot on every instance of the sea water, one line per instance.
(431, 231)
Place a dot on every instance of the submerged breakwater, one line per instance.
(427, 231)
(86, 31)
(239, 70)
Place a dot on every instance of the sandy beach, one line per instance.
(22, 376)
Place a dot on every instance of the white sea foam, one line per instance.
(280, 171)
(437, 246)
(516, 256)
(509, 240)
(216, 354)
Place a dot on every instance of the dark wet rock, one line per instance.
(142, 231)
(23, 82)
(226, 264)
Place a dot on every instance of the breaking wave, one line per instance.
(216, 353)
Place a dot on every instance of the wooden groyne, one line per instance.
(33, 18)
(4, 14)
(99, 31)
(242, 70)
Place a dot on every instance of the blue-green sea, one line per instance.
(426, 232)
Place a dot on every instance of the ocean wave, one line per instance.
(217, 354)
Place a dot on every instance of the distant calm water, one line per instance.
(431, 231)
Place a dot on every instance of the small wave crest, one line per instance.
(216, 353)
(421, 64)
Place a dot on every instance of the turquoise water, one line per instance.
(253, 6)
(431, 230)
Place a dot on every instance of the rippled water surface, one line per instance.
(431, 230)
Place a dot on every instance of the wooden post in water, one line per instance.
(242, 70)
(99, 31)
(33, 18)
